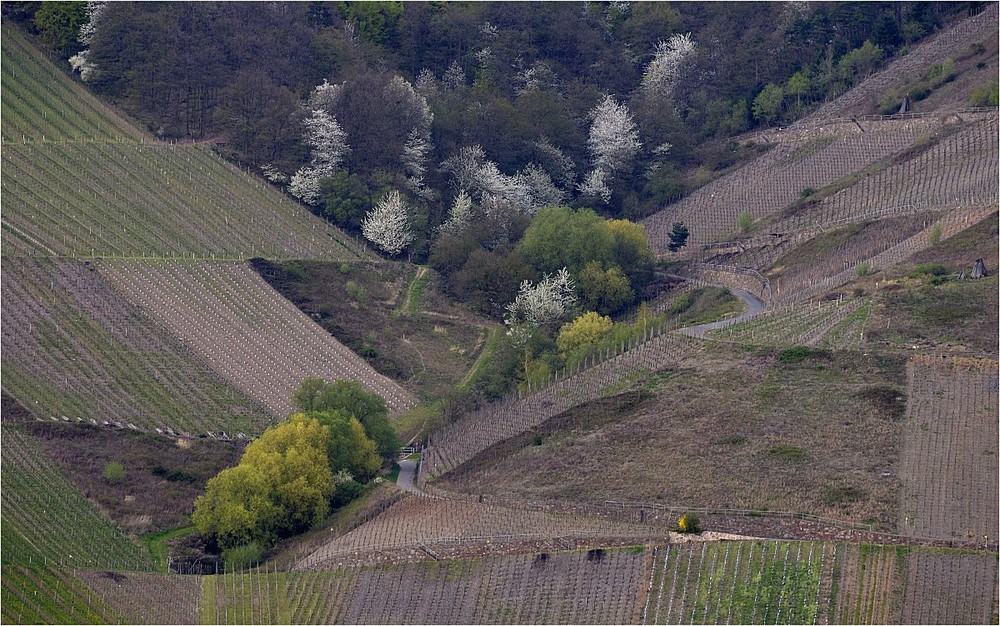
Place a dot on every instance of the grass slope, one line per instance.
(80, 181)
(799, 437)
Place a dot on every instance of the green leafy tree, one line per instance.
(767, 104)
(678, 236)
(348, 447)
(314, 395)
(606, 291)
(561, 237)
(584, 332)
(281, 486)
(58, 25)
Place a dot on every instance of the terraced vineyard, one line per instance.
(257, 341)
(146, 598)
(949, 587)
(835, 324)
(752, 582)
(595, 587)
(81, 181)
(949, 461)
(75, 348)
(38, 595)
(47, 521)
(414, 523)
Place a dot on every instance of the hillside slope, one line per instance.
(79, 180)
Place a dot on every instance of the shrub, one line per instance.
(689, 523)
(934, 237)
(785, 452)
(745, 222)
(356, 291)
(242, 557)
(864, 269)
(114, 472)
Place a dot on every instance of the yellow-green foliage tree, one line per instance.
(348, 448)
(316, 396)
(281, 486)
(583, 333)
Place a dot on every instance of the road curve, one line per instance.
(754, 307)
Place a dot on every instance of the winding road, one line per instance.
(754, 307)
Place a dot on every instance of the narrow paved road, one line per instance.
(407, 474)
(754, 307)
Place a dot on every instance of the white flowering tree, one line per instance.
(329, 147)
(537, 305)
(668, 56)
(387, 224)
(613, 142)
(80, 62)
(460, 213)
(528, 190)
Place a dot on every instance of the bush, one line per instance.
(242, 557)
(785, 452)
(864, 269)
(114, 472)
(745, 222)
(689, 523)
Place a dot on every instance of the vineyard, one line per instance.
(776, 179)
(47, 521)
(39, 595)
(582, 587)
(414, 525)
(949, 462)
(744, 582)
(80, 181)
(835, 324)
(258, 341)
(76, 349)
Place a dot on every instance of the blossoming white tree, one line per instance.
(613, 142)
(661, 74)
(527, 190)
(548, 301)
(460, 214)
(80, 62)
(386, 224)
(329, 146)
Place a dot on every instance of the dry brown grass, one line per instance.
(735, 429)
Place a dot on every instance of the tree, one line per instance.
(544, 303)
(606, 291)
(678, 237)
(613, 143)
(350, 397)
(329, 146)
(348, 447)
(460, 214)
(767, 104)
(662, 72)
(745, 222)
(59, 23)
(798, 86)
(281, 486)
(386, 225)
(560, 237)
(583, 332)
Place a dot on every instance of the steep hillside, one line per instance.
(258, 341)
(79, 180)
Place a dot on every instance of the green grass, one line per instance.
(758, 582)
(156, 543)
